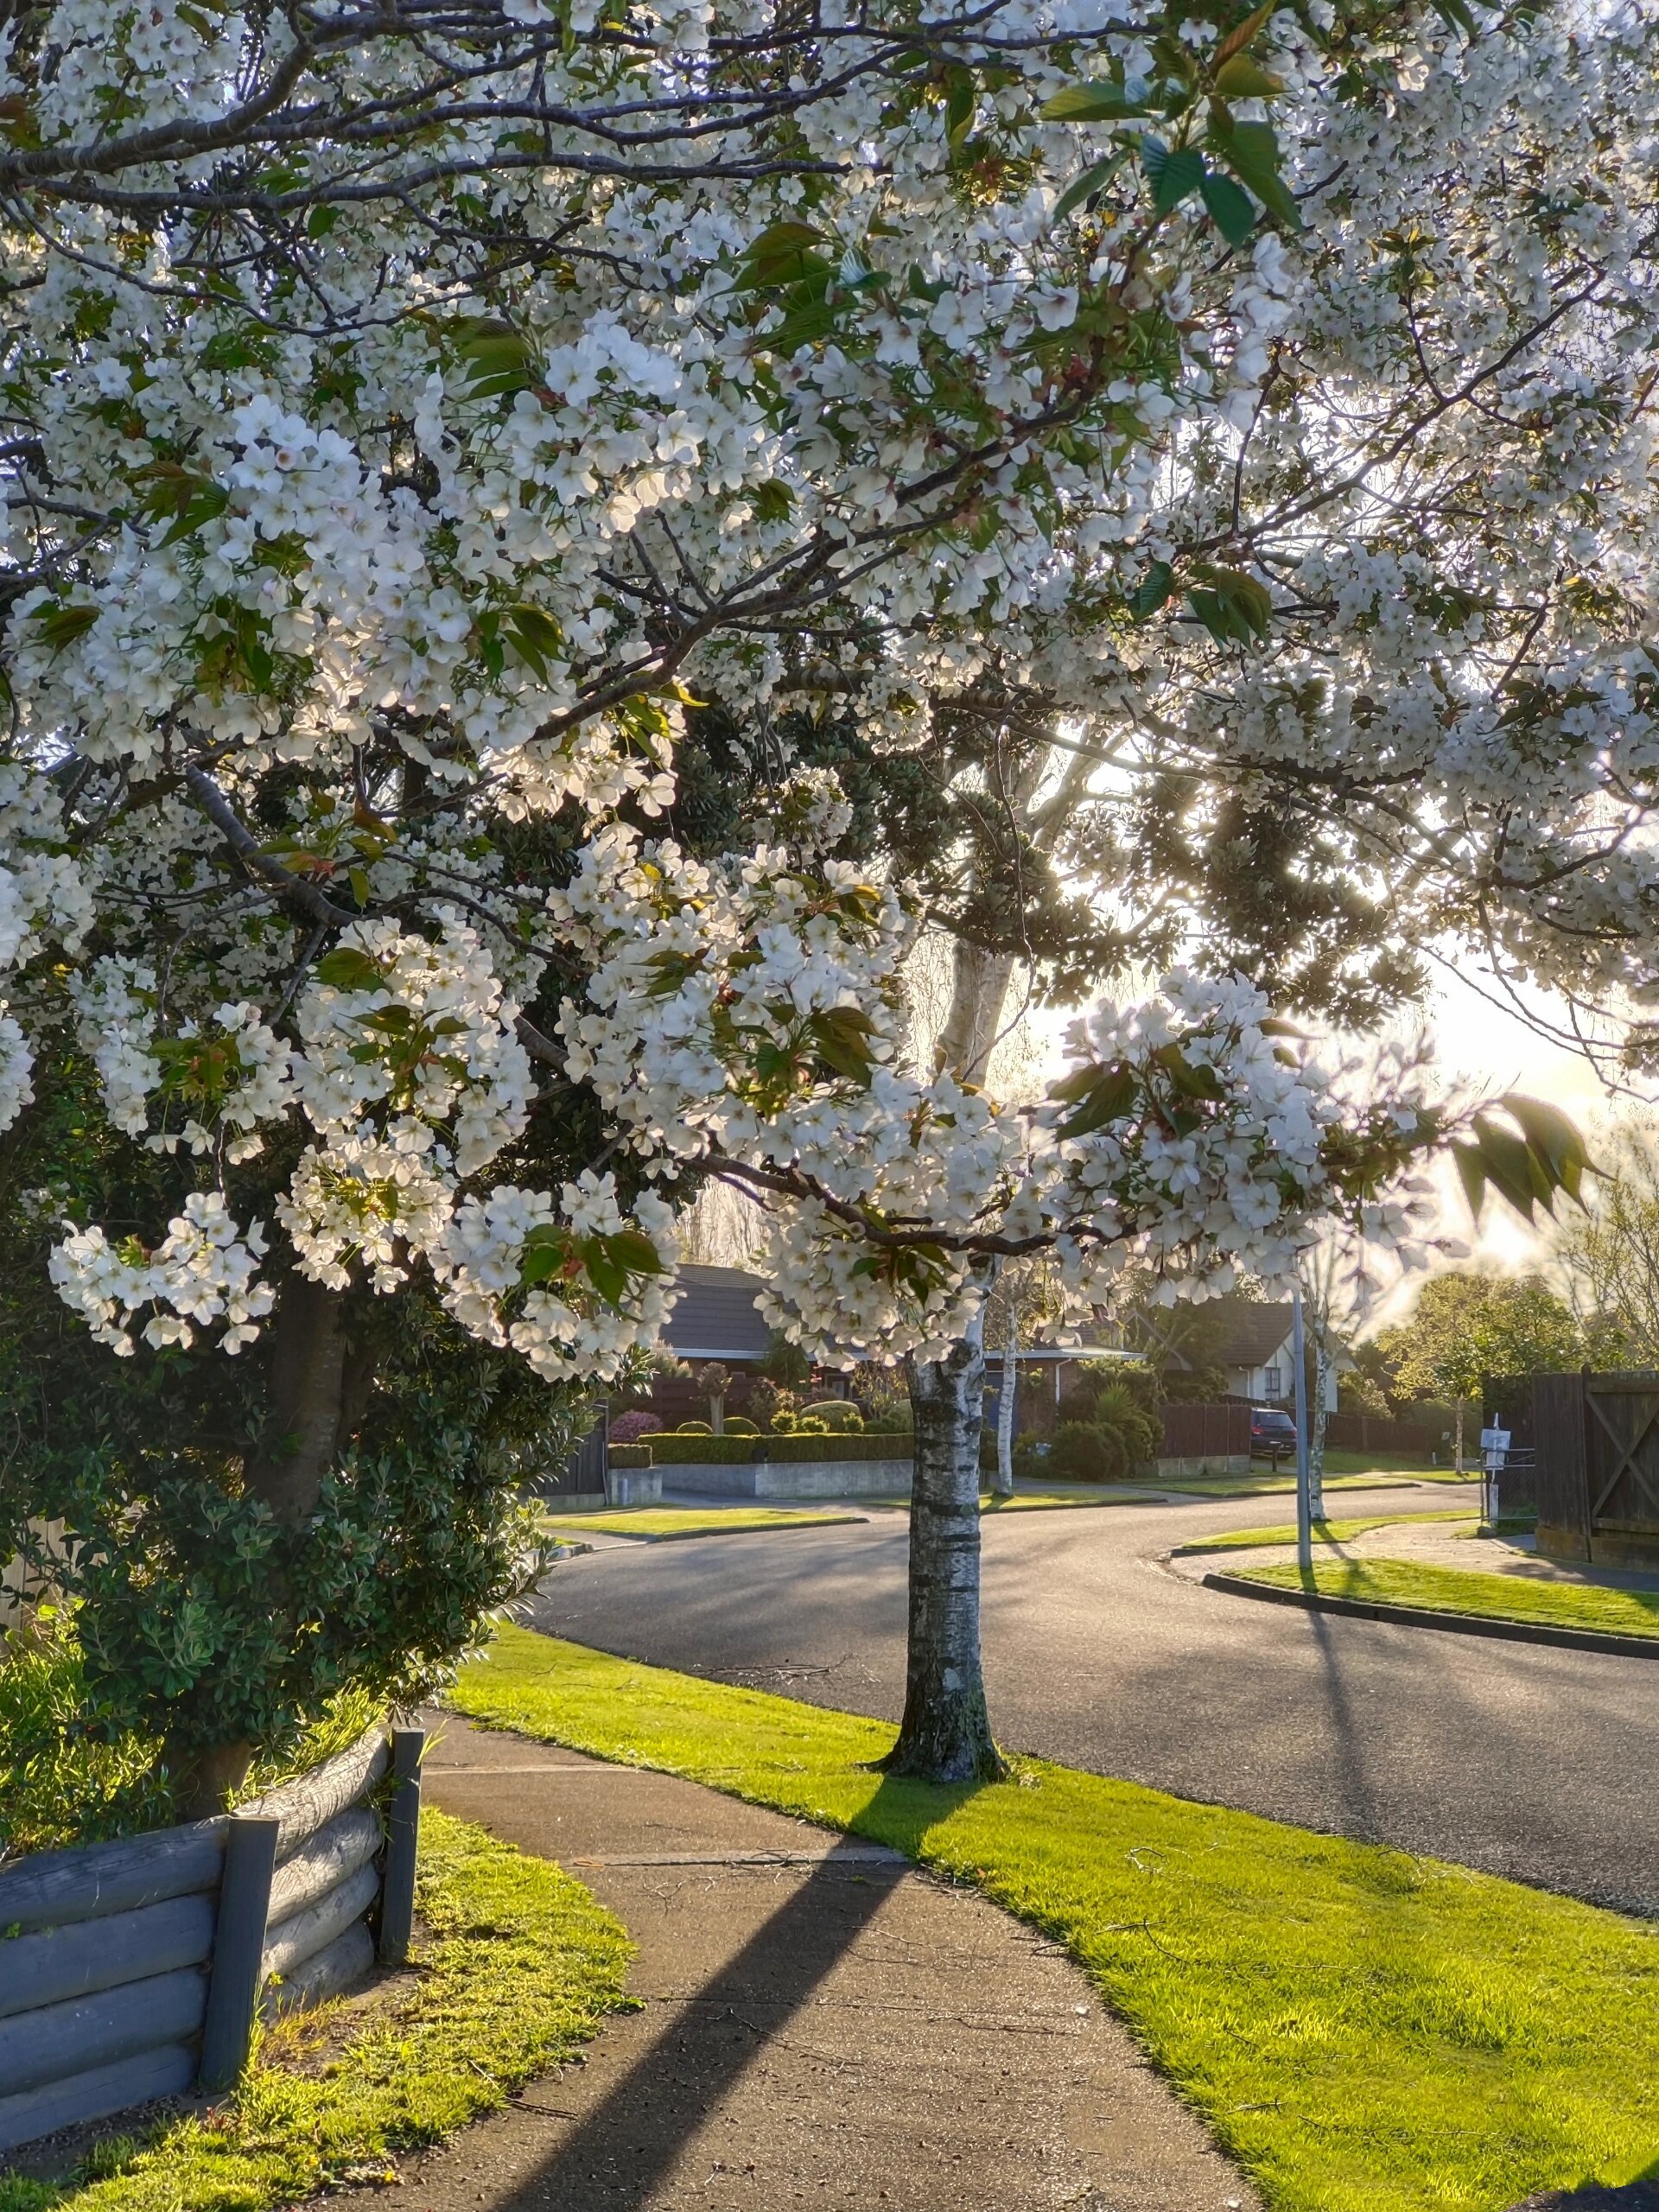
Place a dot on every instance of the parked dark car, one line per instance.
(1273, 1434)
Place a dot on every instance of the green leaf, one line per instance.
(542, 1260)
(534, 636)
(346, 969)
(772, 501)
(1235, 608)
(960, 99)
(1188, 1078)
(1232, 211)
(1099, 1095)
(1174, 176)
(62, 626)
(632, 1249)
(1511, 1168)
(1251, 151)
(1455, 16)
(1095, 102)
(1153, 591)
(499, 360)
(1094, 179)
(1553, 1140)
(1241, 35)
(608, 1276)
(783, 254)
(841, 1038)
(1241, 79)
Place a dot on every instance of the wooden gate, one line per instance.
(1597, 1470)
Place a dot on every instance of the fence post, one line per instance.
(239, 1949)
(403, 1834)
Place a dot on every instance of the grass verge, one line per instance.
(1364, 2032)
(1465, 1590)
(519, 1968)
(1284, 1484)
(1046, 1500)
(1325, 1532)
(662, 1524)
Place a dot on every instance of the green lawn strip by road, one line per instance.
(520, 1967)
(1325, 1532)
(661, 1524)
(1043, 1501)
(1465, 1590)
(1284, 1484)
(1364, 2032)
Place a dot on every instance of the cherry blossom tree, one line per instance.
(407, 427)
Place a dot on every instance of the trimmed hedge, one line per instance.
(674, 1449)
(630, 1455)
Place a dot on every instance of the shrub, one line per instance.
(1109, 1448)
(767, 1399)
(628, 1429)
(790, 1424)
(675, 1448)
(1031, 1458)
(694, 1428)
(786, 1363)
(630, 1455)
(740, 1425)
(839, 1415)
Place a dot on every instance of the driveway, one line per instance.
(1518, 1759)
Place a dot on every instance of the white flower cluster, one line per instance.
(560, 1324)
(205, 1274)
(422, 1031)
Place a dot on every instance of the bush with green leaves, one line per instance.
(839, 1416)
(1118, 1439)
(204, 1618)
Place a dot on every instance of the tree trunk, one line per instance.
(1002, 1481)
(1316, 1426)
(313, 1381)
(1457, 1436)
(945, 1735)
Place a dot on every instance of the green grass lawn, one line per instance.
(1325, 1532)
(662, 1523)
(1049, 1498)
(1364, 2032)
(518, 1970)
(1283, 1484)
(1465, 1590)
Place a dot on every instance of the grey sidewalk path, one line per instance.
(822, 2025)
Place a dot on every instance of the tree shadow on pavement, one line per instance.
(619, 2153)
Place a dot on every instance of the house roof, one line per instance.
(1247, 1334)
(715, 1315)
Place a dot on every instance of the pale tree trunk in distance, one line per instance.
(1456, 1436)
(1002, 1481)
(945, 1735)
(1316, 1426)
(314, 1380)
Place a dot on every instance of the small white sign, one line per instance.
(1494, 1440)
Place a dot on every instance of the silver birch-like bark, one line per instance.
(1002, 1481)
(1316, 1426)
(945, 1734)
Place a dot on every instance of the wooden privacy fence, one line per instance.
(1596, 1477)
(1205, 1432)
(1377, 1433)
(135, 1970)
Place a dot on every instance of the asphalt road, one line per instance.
(1516, 1758)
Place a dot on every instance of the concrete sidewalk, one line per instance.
(822, 2025)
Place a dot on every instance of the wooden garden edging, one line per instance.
(135, 1970)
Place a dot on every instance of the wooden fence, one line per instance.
(1596, 1479)
(1205, 1432)
(1377, 1433)
(134, 1970)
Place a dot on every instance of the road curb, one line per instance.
(1319, 1601)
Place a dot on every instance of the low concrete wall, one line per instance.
(1235, 1463)
(793, 1478)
